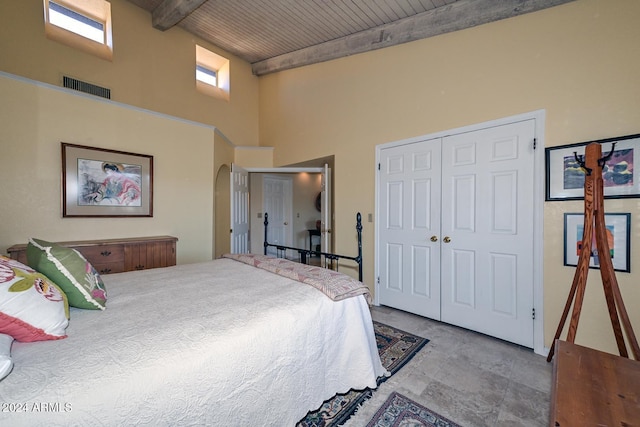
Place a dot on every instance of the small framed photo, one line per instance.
(97, 182)
(565, 177)
(618, 228)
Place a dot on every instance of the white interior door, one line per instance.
(326, 211)
(239, 210)
(277, 202)
(487, 226)
(409, 228)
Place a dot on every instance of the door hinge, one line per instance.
(533, 313)
(535, 143)
(378, 166)
(378, 280)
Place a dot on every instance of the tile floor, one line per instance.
(470, 378)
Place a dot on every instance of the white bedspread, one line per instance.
(214, 344)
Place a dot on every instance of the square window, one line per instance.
(212, 73)
(76, 22)
(81, 24)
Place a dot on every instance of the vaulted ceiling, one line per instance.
(275, 35)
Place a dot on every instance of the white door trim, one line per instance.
(239, 182)
(326, 211)
(538, 265)
(284, 170)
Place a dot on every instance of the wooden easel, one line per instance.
(594, 210)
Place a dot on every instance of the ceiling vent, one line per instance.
(91, 89)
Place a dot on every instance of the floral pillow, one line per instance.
(32, 307)
(69, 270)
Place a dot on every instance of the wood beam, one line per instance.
(170, 12)
(453, 17)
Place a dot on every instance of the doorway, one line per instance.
(222, 212)
(238, 222)
(308, 182)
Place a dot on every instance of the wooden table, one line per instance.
(313, 232)
(592, 388)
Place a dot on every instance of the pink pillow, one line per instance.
(32, 308)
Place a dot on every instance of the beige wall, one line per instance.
(254, 157)
(35, 118)
(150, 69)
(580, 62)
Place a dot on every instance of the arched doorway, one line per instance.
(222, 209)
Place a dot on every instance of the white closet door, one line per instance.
(487, 230)
(409, 227)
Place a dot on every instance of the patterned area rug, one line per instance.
(396, 348)
(399, 410)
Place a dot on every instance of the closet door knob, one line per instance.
(434, 238)
(447, 239)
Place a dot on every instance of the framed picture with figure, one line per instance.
(97, 182)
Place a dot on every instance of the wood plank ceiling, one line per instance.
(282, 34)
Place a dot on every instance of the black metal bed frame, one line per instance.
(331, 260)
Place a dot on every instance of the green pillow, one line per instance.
(68, 269)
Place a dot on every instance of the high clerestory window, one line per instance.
(81, 24)
(207, 75)
(212, 73)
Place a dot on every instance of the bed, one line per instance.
(225, 342)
